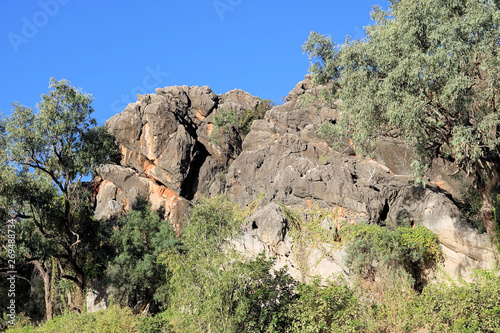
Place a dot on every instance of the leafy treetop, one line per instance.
(427, 74)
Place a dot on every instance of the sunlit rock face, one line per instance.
(284, 160)
(171, 156)
(168, 153)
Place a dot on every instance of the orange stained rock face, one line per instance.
(439, 182)
(148, 165)
(96, 186)
(123, 150)
(162, 196)
(199, 115)
(210, 129)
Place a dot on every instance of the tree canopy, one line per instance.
(43, 157)
(427, 74)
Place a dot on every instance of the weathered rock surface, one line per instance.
(167, 151)
(267, 230)
(170, 156)
(119, 188)
(284, 158)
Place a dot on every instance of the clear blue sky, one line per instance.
(114, 49)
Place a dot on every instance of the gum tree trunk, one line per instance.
(47, 288)
(487, 212)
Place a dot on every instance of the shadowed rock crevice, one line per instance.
(384, 212)
(167, 146)
(189, 186)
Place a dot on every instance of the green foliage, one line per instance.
(226, 121)
(157, 324)
(213, 287)
(225, 133)
(388, 303)
(471, 307)
(427, 74)
(327, 130)
(470, 206)
(135, 273)
(21, 323)
(306, 100)
(333, 308)
(249, 115)
(112, 320)
(61, 140)
(321, 48)
(212, 222)
(231, 126)
(371, 248)
(43, 156)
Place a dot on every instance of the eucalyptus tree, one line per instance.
(428, 74)
(44, 155)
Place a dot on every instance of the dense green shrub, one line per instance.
(112, 320)
(336, 307)
(224, 120)
(333, 308)
(247, 118)
(371, 248)
(135, 272)
(157, 324)
(468, 307)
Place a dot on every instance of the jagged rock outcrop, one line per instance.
(170, 156)
(284, 159)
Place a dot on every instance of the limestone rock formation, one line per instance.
(286, 160)
(170, 156)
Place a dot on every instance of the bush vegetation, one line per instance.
(210, 287)
(214, 287)
(426, 74)
(134, 272)
(373, 249)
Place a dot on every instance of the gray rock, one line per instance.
(118, 189)
(168, 154)
(267, 230)
(284, 158)
(171, 155)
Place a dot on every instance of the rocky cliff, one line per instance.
(170, 155)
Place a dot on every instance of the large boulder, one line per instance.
(267, 230)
